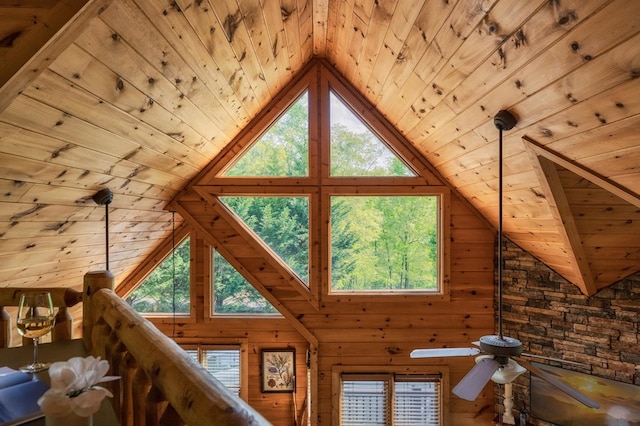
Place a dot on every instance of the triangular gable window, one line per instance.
(356, 150)
(282, 223)
(233, 294)
(295, 178)
(283, 150)
(167, 288)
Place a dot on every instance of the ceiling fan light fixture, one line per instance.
(104, 198)
(506, 373)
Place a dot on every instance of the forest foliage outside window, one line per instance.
(384, 243)
(388, 241)
(159, 293)
(282, 223)
(356, 150)
(233, 294)
(283, 150)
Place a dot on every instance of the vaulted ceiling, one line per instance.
(139, 95)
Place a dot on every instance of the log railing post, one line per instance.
(141, 388)
(63, 328)
(127, 374)
(5, 328)
(93, 281)
(197, 397)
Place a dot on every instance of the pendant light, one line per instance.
(503, 120)
(104, 198)
(173, 273)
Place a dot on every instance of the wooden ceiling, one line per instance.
(139, 95)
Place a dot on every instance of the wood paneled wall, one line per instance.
(255, 334)
(376, 333)
(345, 331)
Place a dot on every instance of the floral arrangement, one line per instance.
(74, 387)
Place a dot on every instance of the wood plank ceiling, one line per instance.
(139, 95)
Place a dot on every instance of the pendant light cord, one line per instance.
(500, 235)
(106, 210)
(173, 274)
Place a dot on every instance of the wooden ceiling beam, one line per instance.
(569, 231)
(604, 183)
(561, 211)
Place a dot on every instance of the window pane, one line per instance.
(384, 243)
(157, 294)
(365, 402)
(224, 365)
(417, 403)
(233, 294)
(282, 223)
(356, 150)
(283, 150)
(193, 354)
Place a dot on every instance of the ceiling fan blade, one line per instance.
(443, 352)
(562, 361)
(476, 379)
(549, 378)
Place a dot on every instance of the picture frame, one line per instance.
(278, 368)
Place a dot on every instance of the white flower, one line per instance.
(74, 387)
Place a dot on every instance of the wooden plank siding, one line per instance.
(348, 330)
(155, 98)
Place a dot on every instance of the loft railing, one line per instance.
(160, 384)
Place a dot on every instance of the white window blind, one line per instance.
(223, 364)
(388, 400)
(417, 401)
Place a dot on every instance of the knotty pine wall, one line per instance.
(353, 333)
(253, 335)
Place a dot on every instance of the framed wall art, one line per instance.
(278, 370)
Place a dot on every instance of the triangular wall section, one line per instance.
(589, 209)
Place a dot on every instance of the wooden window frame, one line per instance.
(380, 371)
(319, 81)
(241, 344)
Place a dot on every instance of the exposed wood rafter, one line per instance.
(546, 164)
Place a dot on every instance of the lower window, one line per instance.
(390, 399)
(221, 361)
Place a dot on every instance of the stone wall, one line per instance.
(553, 318)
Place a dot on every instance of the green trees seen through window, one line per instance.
(233, 294)
(384, 243)
(158, 292)
(379, 238)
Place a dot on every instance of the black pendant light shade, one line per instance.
(103, 197)
(504, 120)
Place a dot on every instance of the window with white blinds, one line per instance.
(222, 363)
(387, 399)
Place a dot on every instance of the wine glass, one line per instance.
(35, 319)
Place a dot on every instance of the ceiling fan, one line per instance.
(495, 353)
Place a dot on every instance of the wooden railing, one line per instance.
(159, 383)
